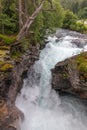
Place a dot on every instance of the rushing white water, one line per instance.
(42, 107)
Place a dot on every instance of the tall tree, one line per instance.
(29, 21)
(20, 14)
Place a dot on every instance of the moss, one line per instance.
(16, 55)
(82, 64)
(3, 53)
(7, 39)
(6, 67)
(1, 63)
(3, 75)
(64, 75)
(4, 48)
(25, 43)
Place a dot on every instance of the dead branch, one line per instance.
(29, 21)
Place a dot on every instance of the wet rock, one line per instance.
(64, 32)
(71, 75)
(79, 39)
(11, 80)
(11, 74)
(10, 116)
(79, 42)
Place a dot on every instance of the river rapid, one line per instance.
(43, 108)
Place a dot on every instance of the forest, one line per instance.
(68, 14)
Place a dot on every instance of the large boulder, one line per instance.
(71, 75)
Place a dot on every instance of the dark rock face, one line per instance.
(20, 71)
(10, 116)
(10, 84)
(71, 76)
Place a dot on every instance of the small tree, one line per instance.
(69, 20)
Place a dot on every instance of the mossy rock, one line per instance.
(1, 63)
(6, 67)
(16, 55)
(64, 76)
(3, 53)
(82, 64)
(4, 48)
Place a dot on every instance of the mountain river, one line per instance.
(43, 108)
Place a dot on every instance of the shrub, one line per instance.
(69, 20)
(80, 27)
(7, 39)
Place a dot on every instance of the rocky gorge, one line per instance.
(69, 76)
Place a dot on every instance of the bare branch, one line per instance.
(51, 4)
(48, 10)
(22, 13)
(29, 22)
(34, 3)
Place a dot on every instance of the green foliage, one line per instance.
(37, 28)
(48, 19)
(8, 17)
(76, 6)
(83, 4)
(7, 39)
(16, 55)
(72, 5)
(24, 44)
(8, 24)
(6, 67)
(79, 27)
(69, 20)
(82, 64)
(54, 18)
(83, 13)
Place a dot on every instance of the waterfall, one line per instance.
(43, 108)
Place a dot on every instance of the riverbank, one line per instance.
(12, 73)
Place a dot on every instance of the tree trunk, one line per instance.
(28, 22)
(20, 15)
(2, 25)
